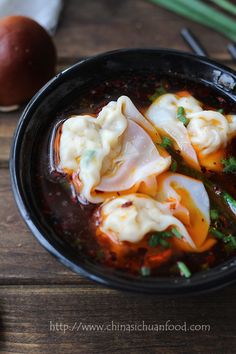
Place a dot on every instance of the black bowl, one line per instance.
(58, 93)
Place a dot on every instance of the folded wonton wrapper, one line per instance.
(163, 114)
(181, 202)
(114, 152)
(204, 139)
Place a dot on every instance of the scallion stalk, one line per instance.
(202, 13)
(226, 5)
(184, 271)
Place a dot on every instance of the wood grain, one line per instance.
(94, 26)
(35, 288)
(26, 313)
(22, 259)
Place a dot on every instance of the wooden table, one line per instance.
(36, 291)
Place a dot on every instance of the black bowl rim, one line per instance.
(222, 275)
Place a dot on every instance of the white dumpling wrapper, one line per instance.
(162, 113)
(194, 187)
(138, 159)
(88, 146)
(208, 131)
(131, 217)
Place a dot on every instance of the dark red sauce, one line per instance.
(75, 222)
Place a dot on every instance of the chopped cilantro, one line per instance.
(181, 116)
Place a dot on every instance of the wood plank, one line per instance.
(26, 313)
(23, 260)
(91, 27)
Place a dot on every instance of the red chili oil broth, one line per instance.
(73, 221)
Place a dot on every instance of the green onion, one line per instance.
(181, 116)
(200, 12)
(159, 92)
(166, 142)
(226, 5)
(184, 271)
(173, 166)
(214, 214)
(158, 238)
(224, 201)
(216, 233)
(164, 243)
(229, 165)
(220, 110)
(145, 271)
(154, 240)
(166, 234)
(176, 233)
(230, 241)
(231, 202)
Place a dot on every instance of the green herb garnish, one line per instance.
(164, 243)
(184, 271)
(145, 271)
(166, 142)
(217, 233)
(158, 238)
(220, 110)
(167, 234)
(154, 240)
(229, 165)
(230, 241)
(173, 166)
(199, 11)
(214, 214)
(231, 202)
(176, 233)
(159, 92)
(181, 116)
